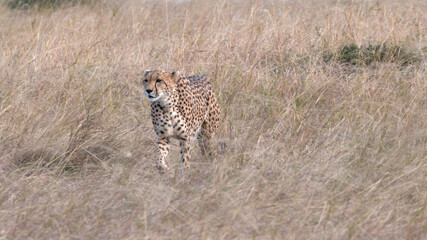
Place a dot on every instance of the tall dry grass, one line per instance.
(310, 146)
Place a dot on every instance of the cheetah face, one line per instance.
(159, 84)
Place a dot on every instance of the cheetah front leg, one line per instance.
(184, 143)
(162, 152)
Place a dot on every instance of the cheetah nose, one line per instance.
(149, 91)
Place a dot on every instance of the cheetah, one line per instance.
(182, 108)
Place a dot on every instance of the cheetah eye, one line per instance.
(145, 80)
(158, 80)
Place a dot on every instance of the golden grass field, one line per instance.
(310, 145)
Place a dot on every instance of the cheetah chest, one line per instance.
(168, 122)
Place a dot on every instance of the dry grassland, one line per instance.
(319, 139)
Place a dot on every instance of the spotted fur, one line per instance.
(182, 108)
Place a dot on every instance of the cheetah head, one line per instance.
(159, 84)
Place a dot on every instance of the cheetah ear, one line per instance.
(146, 72)
(175, 75)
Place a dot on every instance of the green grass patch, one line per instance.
(366, 55)
(44, 4)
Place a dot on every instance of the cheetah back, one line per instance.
(194, 95)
